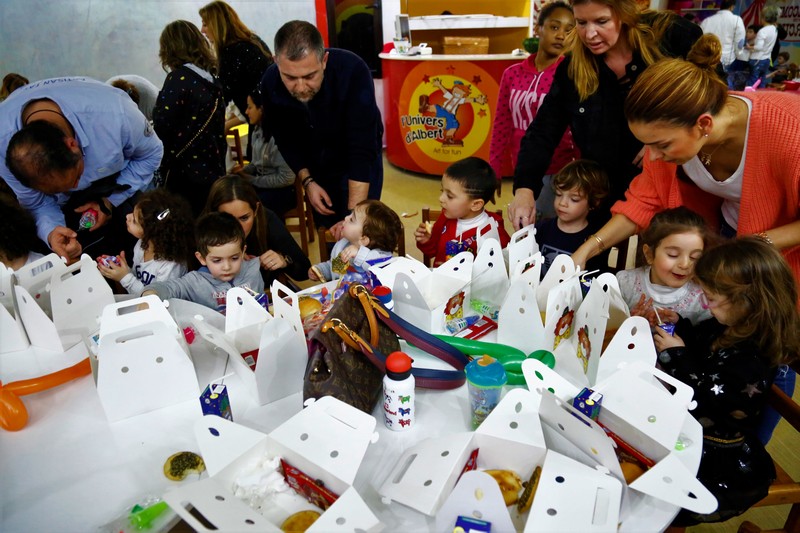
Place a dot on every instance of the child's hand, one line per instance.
(349, 253)
(668, 315)
(237, 169)
(423, 233)
(312, 274)
(664, 340)
(644, 308)
(112, 270)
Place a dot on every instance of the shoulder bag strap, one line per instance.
(201, 130)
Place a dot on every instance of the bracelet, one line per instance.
(307, 180)
(600, 245)
(764, 237)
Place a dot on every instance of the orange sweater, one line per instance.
(770, 185)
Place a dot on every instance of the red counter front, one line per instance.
(440, 109)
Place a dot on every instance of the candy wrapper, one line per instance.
(311, 490)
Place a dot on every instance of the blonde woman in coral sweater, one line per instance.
(732, 157)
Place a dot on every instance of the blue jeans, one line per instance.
(785, 379)
(760, 68)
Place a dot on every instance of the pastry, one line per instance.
(510, 484)
(299, 522)
(308, 307)
(526, 499)
(181, 464)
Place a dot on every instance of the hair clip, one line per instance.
(163, 214)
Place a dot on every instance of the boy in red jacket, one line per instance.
(467, 186)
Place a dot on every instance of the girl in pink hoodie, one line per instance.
(522, 90)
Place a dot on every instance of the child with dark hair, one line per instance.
(162, 222)
(672, 245)
(730, 361)
(780, 70)
(17, 235)
(579, 187)
(267, 171)
(467, 186)
(369, 237)
(221, 251)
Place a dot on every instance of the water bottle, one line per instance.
(398, 392)
(485, 380)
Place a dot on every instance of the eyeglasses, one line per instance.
(715, 301)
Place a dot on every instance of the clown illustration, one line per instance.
(454, 308)
(453, 99)
(584, 347)
(564, 326)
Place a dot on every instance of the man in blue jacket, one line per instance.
(73, 144)
(320, 106)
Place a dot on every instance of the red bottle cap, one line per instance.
(398, 363)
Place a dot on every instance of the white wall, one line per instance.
(102, 38)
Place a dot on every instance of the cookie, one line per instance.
(299, 522)
(181, 464)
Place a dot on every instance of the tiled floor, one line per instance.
(407, 193)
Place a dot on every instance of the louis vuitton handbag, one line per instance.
(347, 353)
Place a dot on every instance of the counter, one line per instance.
(440, 108)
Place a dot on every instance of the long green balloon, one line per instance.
(511, 358)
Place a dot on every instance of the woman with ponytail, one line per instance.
(731, 157)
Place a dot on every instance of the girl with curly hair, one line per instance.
(164, 226)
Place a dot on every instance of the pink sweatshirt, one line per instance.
(522, 90)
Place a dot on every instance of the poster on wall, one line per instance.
(444, 112)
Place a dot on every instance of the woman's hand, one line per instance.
(422, 234)
(664, 340)
(114, 271)
(522, 209)
(272, 260)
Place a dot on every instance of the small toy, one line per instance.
(485, 308)
(480, 328)
(88, 219)
(143, 517)
(106, 259)
(459, 324)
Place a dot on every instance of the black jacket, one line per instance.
(598, 124)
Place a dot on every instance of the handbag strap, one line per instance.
(201, 130)
(429, 378)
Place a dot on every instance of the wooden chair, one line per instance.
(431, 215)
(304, 215)
(326, 238)
(784, 490)
(236, 150)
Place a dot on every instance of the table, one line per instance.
(70, 470)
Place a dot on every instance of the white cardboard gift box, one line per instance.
(522, 246)
(143, 361)
(35, 278)
(489, 275)
(327, 441)
(426, 477)
(640, 410)
(282, 350)
(12, 333)
(77, 295)
(427, 298)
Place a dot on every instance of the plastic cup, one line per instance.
(485, 380)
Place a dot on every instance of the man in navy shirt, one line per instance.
(320, 106)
